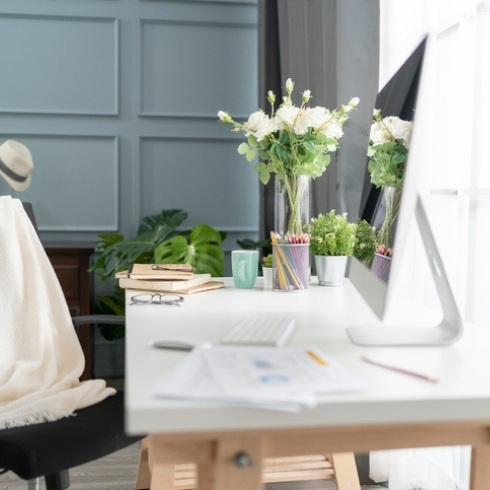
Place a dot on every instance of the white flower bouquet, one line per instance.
(389, 141)
(290, 142)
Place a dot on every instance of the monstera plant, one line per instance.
(157, 241)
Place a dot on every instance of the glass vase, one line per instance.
(291, 204)
(385, 235)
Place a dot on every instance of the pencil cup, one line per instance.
(291, 267)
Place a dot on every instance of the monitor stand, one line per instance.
(450, 328)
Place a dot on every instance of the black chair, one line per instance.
(50, 449)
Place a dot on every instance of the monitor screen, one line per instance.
(397, 98)
(405, 96)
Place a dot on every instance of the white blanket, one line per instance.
(40, 356)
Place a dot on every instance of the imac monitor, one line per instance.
(405, 96)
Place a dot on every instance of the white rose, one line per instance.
(378, 134)
(287, 115)
(400, 129)
(333, 129)
(317, 116)
(224, 117)
(301, 123)
(306, 96)
(260, 125)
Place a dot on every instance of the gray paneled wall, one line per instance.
(117, 101)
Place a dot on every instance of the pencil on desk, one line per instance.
(399, 369)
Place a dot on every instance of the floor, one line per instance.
(118, 472)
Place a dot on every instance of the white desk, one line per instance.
(396, 410)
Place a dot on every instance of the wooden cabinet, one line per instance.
(71, 261)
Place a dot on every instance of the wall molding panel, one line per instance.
(118, 102)
(67, 65)
(210, 2)
(80, 171)
(219, 63)
(206, 177)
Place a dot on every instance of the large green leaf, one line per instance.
(202, 249)
(172, 217)
(153, 230)
(112, 305)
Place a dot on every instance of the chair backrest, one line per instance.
(30, 212)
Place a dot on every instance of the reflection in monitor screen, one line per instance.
(392, 204)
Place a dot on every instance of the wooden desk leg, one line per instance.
(345, 471)
(239, 464)
(162, 469)
(143, 478)
(480, 468)
(205, 475)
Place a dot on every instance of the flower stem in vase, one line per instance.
(385, 236)
(292, 206)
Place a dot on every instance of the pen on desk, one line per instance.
(399, 369)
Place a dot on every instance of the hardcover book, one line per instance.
(163, 285)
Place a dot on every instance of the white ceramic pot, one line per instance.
(267, 273)
(330, 269)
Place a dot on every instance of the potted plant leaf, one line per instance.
(332, 239)
(365, 245)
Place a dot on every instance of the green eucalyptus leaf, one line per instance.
(264, 176)
(310, 146)
(398, 158)
(284, 154)
(243, 148)
(260, 166)
(321, 138)
(252, 141)
(251, 154)
(284, 138)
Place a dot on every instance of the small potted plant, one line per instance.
(332, 240)
(267, 270)
(365, 246)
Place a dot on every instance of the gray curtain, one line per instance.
(330, 47)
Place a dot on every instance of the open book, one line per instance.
(157, 271)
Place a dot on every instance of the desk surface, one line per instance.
(322, 314)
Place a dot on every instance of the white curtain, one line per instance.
(455, 187)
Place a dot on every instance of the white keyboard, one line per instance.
(265, 331)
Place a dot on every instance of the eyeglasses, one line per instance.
(173, 267)
(157, 299)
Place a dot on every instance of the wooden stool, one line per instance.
(155, 473)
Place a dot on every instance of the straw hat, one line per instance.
(16, 165)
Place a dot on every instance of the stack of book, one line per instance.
(167, 278)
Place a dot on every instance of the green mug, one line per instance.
(244, 266)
